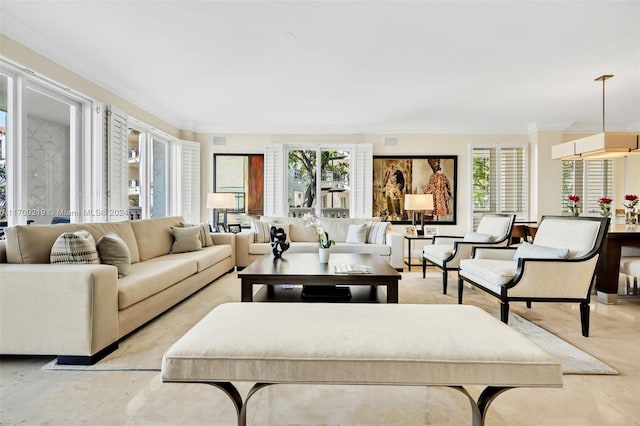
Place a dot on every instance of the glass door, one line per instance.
(159, 182)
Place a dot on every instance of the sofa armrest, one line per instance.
(58, 309)
(243, 240)
(221, 238)
(396, 240)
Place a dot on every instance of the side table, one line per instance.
(410, 241)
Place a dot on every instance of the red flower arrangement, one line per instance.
(575, 211)
(632, 199)
(605, 206)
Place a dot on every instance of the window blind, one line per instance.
(590, 180)
(499, 181)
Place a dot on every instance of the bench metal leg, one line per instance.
(479, 409)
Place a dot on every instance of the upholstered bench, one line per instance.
(440, 345)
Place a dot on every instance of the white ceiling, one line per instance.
(350, 67)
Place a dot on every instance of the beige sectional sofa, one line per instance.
(80, 311)
(304, 240)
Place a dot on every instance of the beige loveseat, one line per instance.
(304, 240)
(80, 311)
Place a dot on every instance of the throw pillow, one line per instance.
(540, 252)
(205, 235)
(262, 231)
(357, 234)
(377, 232)
(477, 237)
(74, 247)
(114, 251)
(186, 239)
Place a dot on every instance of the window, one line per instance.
(499, 181)
(590, 180)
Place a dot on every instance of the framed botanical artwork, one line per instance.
(396, 176)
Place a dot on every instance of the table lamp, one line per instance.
(418, 203)
(220, 201)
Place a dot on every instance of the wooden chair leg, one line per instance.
(460, 288)
(445, 276)
(528, 304)
(504, 312)
(585, 309)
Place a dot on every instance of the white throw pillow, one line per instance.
(535, 251)
(357, 234)
(262, 231)
(477, 237)
(377, 232)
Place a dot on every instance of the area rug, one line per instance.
(143, 349)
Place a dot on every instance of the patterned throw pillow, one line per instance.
(262, 231)
(114, 251)
(205, 235)
(74, 247)
(186, 239)
(378, 232)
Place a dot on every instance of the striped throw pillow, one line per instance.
(74, 247)
(262, 231)
(377, 232)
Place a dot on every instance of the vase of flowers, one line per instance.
(631, 215)
(574, 208)
(324, 241)
(605, 206)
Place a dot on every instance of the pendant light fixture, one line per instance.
(600, 146)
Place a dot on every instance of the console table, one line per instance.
(608, 268)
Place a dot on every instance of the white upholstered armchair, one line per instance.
(446, 252)
(558, 267)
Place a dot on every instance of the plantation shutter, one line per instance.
(117, 148)
(275, 170)
(361, 180)
(189, 175)
(499, 181)
(590, 180)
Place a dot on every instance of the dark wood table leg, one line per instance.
(392, 291)
(246, 290)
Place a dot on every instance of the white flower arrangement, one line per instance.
(316, 222)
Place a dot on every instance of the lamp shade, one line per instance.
(419, 202)
(221, 200)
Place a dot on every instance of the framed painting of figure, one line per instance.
(396, 176)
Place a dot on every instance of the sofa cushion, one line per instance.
(357, 234)
(297, 247)
(579, 236)
(154, 236)
(379, 249)
(204, 258)
(149, 278)
(495, 272)
(437, 253)
(74, 247)
(32, 243)
(186, 239)
(113, 251)
(301, 232)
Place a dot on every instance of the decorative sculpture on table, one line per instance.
(278, 242)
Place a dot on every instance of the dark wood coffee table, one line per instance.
(305, 269)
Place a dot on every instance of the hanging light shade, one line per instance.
(600, 146)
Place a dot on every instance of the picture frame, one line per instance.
(430, 231)
(234, 228)
(411, 231)
(396, 176)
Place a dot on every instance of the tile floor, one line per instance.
(31, 396)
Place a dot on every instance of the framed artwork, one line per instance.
(396, 176)
(411, 231)
(430, 231)
(243, 175)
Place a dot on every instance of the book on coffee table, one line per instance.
(353, 269)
